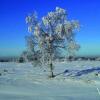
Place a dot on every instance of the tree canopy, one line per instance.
(51, 34)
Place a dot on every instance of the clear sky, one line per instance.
(13, 28)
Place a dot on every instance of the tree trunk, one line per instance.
(50, 59)
(51, 70)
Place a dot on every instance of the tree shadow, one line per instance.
(87, 71)
(76, 73)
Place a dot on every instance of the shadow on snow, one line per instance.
(76, 73)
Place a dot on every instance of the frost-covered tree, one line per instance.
(50, 35)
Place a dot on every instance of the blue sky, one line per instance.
(13, 28)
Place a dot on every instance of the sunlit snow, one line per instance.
(79, 80)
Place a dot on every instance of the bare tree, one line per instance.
(50, 35)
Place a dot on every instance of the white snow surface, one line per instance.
(25, 82)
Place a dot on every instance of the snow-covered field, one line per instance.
(80, 80)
